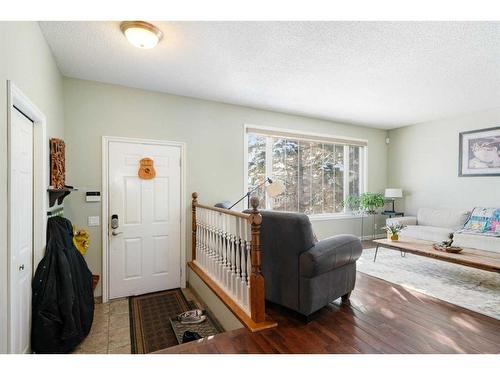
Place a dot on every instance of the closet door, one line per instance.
(21, 231)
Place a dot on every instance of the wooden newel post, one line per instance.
(257, 288)
(193, 225)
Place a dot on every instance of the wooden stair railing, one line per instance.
(226, 255)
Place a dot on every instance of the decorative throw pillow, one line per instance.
(476, 225)
(495, 226)
(483, 220)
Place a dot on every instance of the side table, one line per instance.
(393, 214)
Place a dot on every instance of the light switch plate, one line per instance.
(93, 221)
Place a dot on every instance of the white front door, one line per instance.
(144, 250)
(21, 231)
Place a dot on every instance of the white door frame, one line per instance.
(105, 206)
(16, 98)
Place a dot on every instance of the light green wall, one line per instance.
(352, 225)
(423, 161)
(26, 60)
(212, 131)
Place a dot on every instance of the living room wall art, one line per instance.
(479, 153)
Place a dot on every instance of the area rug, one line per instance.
(467, 287)
(150, 319)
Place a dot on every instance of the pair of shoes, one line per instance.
(190, 336)
(191, 317)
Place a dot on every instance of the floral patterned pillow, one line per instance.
(495, 226)
(483, 221)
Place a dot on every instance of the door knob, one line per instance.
(114, 233)
(21, 267)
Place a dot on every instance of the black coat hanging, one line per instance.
(63, 299)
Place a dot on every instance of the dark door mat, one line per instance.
(150, 314)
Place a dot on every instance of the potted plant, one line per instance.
(369, 202)
(393, 231)
(351, 203)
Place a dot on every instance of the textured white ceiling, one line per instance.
(380, 74)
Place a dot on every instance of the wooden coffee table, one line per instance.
(484, 260)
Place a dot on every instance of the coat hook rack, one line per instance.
(59, 211)
(59, 194)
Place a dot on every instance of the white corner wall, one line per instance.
(423, 161)
(27, 61)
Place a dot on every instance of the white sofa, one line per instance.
(436, 224)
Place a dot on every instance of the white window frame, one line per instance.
(363, 165)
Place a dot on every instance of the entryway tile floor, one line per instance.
(110, 332)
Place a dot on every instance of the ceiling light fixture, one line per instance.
(141, 34)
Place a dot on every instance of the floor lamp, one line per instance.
(274, 189)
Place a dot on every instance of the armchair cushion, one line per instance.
(405, 220)
(442, 217)
(286, 233)
(427, 233)
(329, 254)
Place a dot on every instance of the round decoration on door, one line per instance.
(147, 170)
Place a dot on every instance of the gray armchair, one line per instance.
(300, 273)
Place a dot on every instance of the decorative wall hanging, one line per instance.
(479, 153)
(57, 163)
(147, 169)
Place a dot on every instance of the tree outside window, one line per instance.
(317, 175)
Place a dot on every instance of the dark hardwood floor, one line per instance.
(381, 318)
(368, 244)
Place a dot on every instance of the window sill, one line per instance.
(343, 216)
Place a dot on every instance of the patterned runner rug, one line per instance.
(150, 316)
(474, 289)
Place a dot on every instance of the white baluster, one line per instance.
(204, 240)
(224, 251)
(208, 241)
(197, 237)
(237, 279)
(198, 234)
(216, 244)
(230, 244)
(219, 245)
(232, 272)
(213, 241)
(199, 247)
(221, 248)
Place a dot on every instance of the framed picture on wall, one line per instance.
(479, 153)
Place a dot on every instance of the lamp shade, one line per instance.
(275, 188)
(393, 193)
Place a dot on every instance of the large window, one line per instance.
(318, 172)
